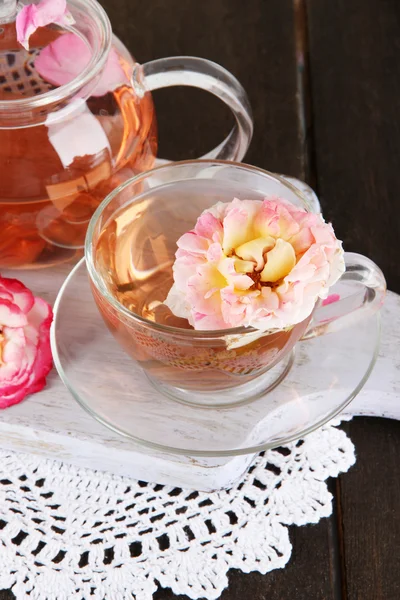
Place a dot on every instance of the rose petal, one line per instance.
(208, 226)
(244, 266)
(215, 253)
(239, 224)
(177, 302)
(210, 322)
(275, 218)
(5, 295)
(17, 375)
(230, 276)
(32, 16)
(279, 262)
(184, 267)
(64, 59)
(13, 345)
(331, 299)
(11, 315)
(255, 250)
(302, 240)
(191, 242)
(40, 315)
(207, 279)
(20, 294)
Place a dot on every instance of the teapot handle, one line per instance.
(206, 75)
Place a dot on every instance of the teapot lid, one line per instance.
(46, 58)
(25, 31)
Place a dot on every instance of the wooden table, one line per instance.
(324, 81)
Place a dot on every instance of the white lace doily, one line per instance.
(70, 533)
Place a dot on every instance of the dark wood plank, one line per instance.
(369, 497)
(354, 54)
(354, 57)
(255, 44)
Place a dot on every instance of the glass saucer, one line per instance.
(327, 372)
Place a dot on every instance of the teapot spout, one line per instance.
(8, 10)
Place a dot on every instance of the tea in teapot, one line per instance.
(77, 120)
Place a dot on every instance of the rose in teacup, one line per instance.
(254, 263)
(25, 354)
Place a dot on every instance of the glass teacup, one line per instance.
(130, 250)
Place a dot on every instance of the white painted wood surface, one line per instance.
(53, 425)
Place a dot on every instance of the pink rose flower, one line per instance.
(44, 13)
(254, 264)
(25, 355)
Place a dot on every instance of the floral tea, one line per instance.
(134, 255)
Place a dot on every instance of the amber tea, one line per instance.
(54, 176)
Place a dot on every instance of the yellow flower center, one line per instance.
(267, 258)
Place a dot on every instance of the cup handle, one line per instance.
(359, 293)
(206, 75)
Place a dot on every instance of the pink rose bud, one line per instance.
(254, 264)
(25, 355)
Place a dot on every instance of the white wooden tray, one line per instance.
(51, 424)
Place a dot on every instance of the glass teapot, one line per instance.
(77, 120)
